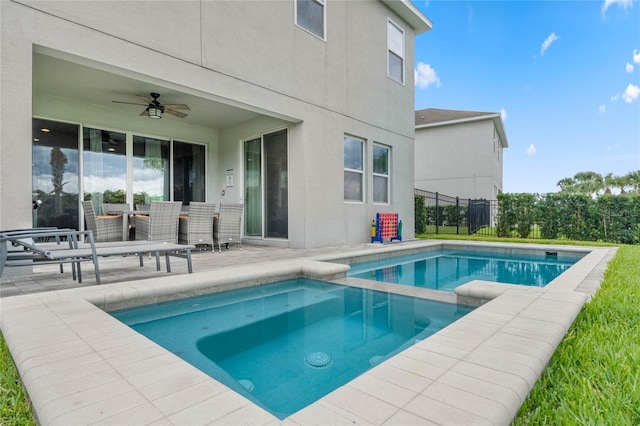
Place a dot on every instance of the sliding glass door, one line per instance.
(55, 173)
(253, 188)
(151, 177)
(104, 158)
(108, 167)
(188, 172)
(276, 185)
(266, 186)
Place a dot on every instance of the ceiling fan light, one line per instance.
(154, 112)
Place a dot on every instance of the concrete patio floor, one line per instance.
(81, 366)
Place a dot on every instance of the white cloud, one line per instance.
(503, 114)
(629, 68)
(623, 3)
(636, 56)
(425, 76)
(615, 98)
(531, 150)
(545, 44)
(631, 93)
(602, 109)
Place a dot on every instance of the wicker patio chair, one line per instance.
(104, 228)
(161, 224)
(197, 228)
(123, 209)
(227, 226)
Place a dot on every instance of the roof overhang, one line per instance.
(407, 11)
(496, 118)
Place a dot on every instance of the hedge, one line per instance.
(609, 218)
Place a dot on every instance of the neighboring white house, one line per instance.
(459, 153)
(300, 109)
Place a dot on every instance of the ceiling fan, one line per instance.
(155, 109)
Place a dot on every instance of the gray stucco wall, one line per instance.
(246, 53)
(463, 160)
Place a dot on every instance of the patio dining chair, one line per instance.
(104, 227)
(161, 224)
(227, 226)
(196, 228)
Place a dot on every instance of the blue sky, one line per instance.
(564, 74)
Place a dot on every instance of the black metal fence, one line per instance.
(612, 218)
(443, 214)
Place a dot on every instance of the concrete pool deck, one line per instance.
(82, 366)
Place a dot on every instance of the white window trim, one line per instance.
(324, 19)
(400, 54)
(387, 176)
(361, 172)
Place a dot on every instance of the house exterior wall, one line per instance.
(460, 160)
(246, 53)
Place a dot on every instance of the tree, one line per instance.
(567, 185)
(589, 183)
(58, 160)
(633, 181)
(620, 182)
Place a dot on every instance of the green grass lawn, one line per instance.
(15, 408)
(593, 377)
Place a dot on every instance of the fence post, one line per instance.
(469, 216)
(437, 215)
(457, 216)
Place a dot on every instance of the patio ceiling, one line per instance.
(94, 84)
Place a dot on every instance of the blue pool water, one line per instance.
(448, 269)
(286, 345)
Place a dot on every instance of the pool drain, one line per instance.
(318, 360)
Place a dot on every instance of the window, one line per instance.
(310, 16)
(380, 174)
(395, 52)
(353, 169)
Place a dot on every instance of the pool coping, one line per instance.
(82, 366)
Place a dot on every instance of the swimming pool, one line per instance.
(445, 269)
(286, 345)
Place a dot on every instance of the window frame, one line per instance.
(386, 176)
(361, 171)
(391, 51)
(323, 4)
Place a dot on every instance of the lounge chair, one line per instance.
(197, 227)
(79, 246)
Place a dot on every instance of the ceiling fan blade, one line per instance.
(128, 103)
(177, 106)
(145, 112)
(176, 113)
(146, 99)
